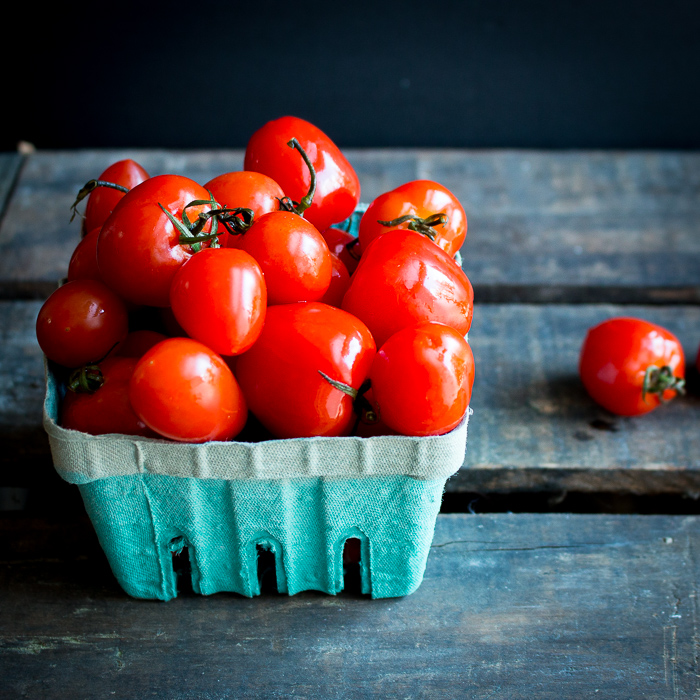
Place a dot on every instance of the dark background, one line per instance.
(594, 74)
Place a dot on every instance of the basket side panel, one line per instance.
(397, 515)
(140, 519)
(121, 514)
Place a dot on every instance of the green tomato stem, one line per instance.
(89, 187)
(658, 380)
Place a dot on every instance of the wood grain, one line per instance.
(10, 165)
(554, 227)
(534, 426)
(545, 606)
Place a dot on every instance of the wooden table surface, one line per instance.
(512, 605)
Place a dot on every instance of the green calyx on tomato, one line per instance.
(424, 226)
(86, 380)
(362, 407)
(288, 204)
(658, 380)
(191, 232)
(89, 187)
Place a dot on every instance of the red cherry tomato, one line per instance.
(101, 202)
(138, 250)
(340, 281)
(422, 199)
(80, 323)
(344, 245)
(337, 184)
(402, 280)
(83, 262)
(219, 297)
(422, 379)
(246, 190)
(137, 343)
(293, 256)
(280, 376)
(185, 391)
(107, 409)
(629, 366)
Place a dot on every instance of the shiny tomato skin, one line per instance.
(83, 262)
(102, 200)
(108, 409)
(344, 245)
(340, 281)
(219, 297)
(184, 391)
(422, 379)
(337, 185)
(421, 198)
(246, 190)
(80, 323)
(404, 279)
(292, 254)
(138, 251)
(615, 356)
(280, 376)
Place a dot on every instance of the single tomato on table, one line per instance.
(629, 366)
(281, 374)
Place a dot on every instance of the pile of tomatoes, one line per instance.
(189, 307)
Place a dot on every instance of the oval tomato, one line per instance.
(337, 185)
(138, 250)
(344, 245)
(219, 297)
(292, 254)
(83, 262)
(340, 281)
(629, 366)
(280, 375)
(80, 323)
(402, 280)
(421, 199)
(422, 379)
(186, 392)
(101, 202)
(107, 409)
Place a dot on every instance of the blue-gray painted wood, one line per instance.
(512, 607)
(543, 226)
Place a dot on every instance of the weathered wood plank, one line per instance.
(534, 427)
(10, 164)
(512, 606)
(543, 226)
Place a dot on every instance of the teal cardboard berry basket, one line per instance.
(299, 499)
